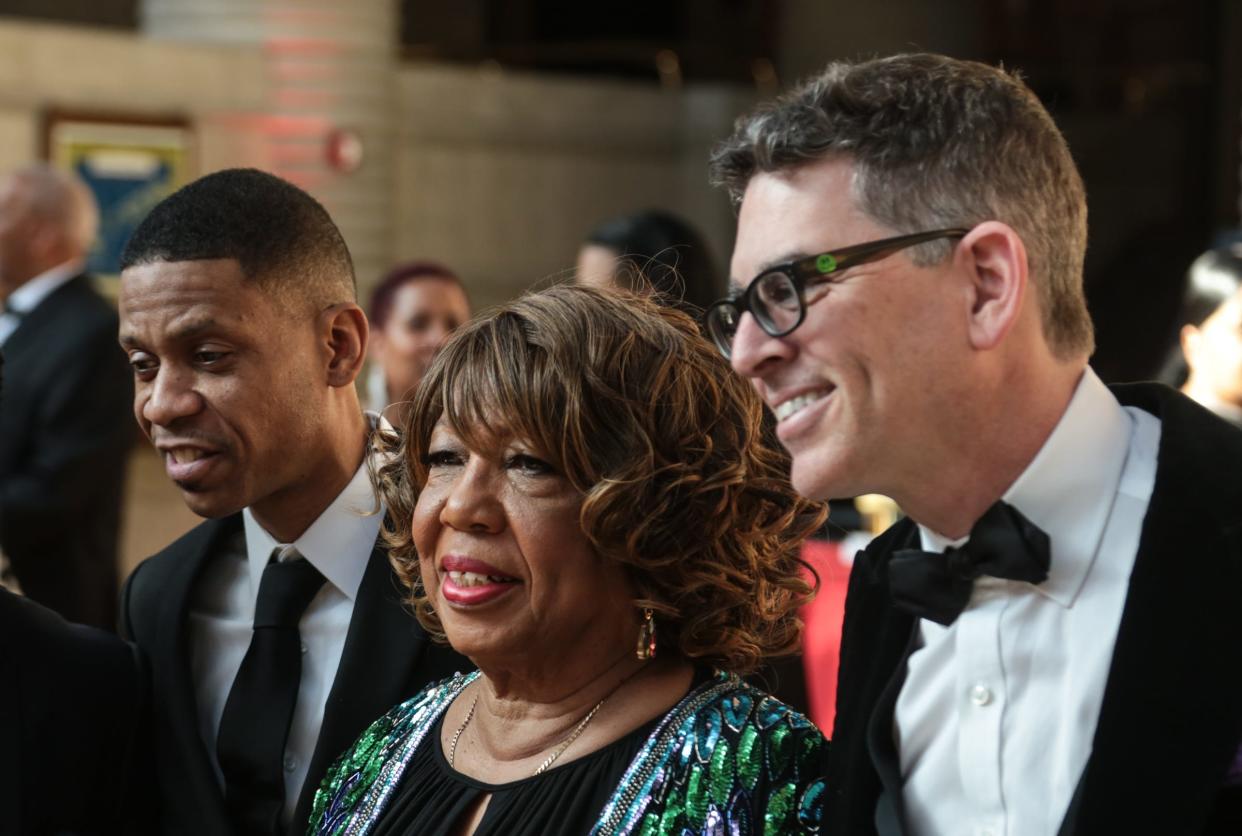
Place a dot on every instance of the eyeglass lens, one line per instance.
(773, 302)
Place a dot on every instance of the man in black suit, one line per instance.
(1047, 644)
(72, 705)
(65, 430)
(275, 631)
(71, 712)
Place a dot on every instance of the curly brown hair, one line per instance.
(680, 482)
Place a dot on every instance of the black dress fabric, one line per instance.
(563, 801)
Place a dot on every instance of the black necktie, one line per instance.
(255, 724)
(1002, 544)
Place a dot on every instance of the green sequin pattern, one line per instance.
(359, 784)
(728, 760)
(733, 762)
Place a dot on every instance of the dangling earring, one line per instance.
(646, 637)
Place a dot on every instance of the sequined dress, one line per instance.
(727, 759)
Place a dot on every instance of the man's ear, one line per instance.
(995, 258)
(345, 333)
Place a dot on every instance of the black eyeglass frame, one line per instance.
(803, 273)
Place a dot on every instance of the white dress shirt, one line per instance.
(221, 619)
(995, 719)
(27, 297)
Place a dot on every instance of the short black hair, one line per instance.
(1212, 280)
(282, 237)
(659, 250)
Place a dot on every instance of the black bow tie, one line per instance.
(1002, 544)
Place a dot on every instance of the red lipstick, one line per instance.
(468, 582)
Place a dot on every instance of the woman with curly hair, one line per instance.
(584, 503)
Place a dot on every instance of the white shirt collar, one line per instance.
(339, 542)
(1069, 487)
(27, 297)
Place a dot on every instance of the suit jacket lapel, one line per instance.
(382, 650)
(873, 650)
(1171, 716)
(174, 648)
(882, 746)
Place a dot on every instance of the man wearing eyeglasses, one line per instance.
(1049, 643)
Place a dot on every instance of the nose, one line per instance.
(754, 352)
(472, 504)
(166, 399)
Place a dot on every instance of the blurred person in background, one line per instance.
(72, 711)
(586, 506)
(652, 251)
(274, 630)
(413, 310)
(1206, 363)
(65, 431)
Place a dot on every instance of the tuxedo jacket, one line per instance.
(72, 712)
(65, 430)
(1170, 723)
(387, 658)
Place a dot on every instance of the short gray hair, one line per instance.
(936, 143)
(61, 199)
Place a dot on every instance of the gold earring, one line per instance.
(646, 637)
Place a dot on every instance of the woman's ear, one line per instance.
(346, 332)
(995, 257)
(1191, 339)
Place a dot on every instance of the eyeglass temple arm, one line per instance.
(862, 253)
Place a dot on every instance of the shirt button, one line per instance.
(981, 695)
(290, 763)
(303, 647)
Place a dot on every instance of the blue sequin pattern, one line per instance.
(728, 760)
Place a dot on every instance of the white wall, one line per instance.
(52, 67)
(502, 175)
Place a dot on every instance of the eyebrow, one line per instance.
(738, 287)
(178, 333)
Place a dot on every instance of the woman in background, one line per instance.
(1208, 365)
(413, 310)
(585, 506)
(651, 251)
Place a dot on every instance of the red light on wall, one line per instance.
(344, 150)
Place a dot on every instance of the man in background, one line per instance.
(64, 430)
(275, 631)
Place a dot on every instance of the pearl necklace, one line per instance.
(556, 753)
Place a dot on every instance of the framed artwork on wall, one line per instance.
(129, 163)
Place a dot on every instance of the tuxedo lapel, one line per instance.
(382, 651)
(874, 641)
(1171, 716)
(882, 747)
